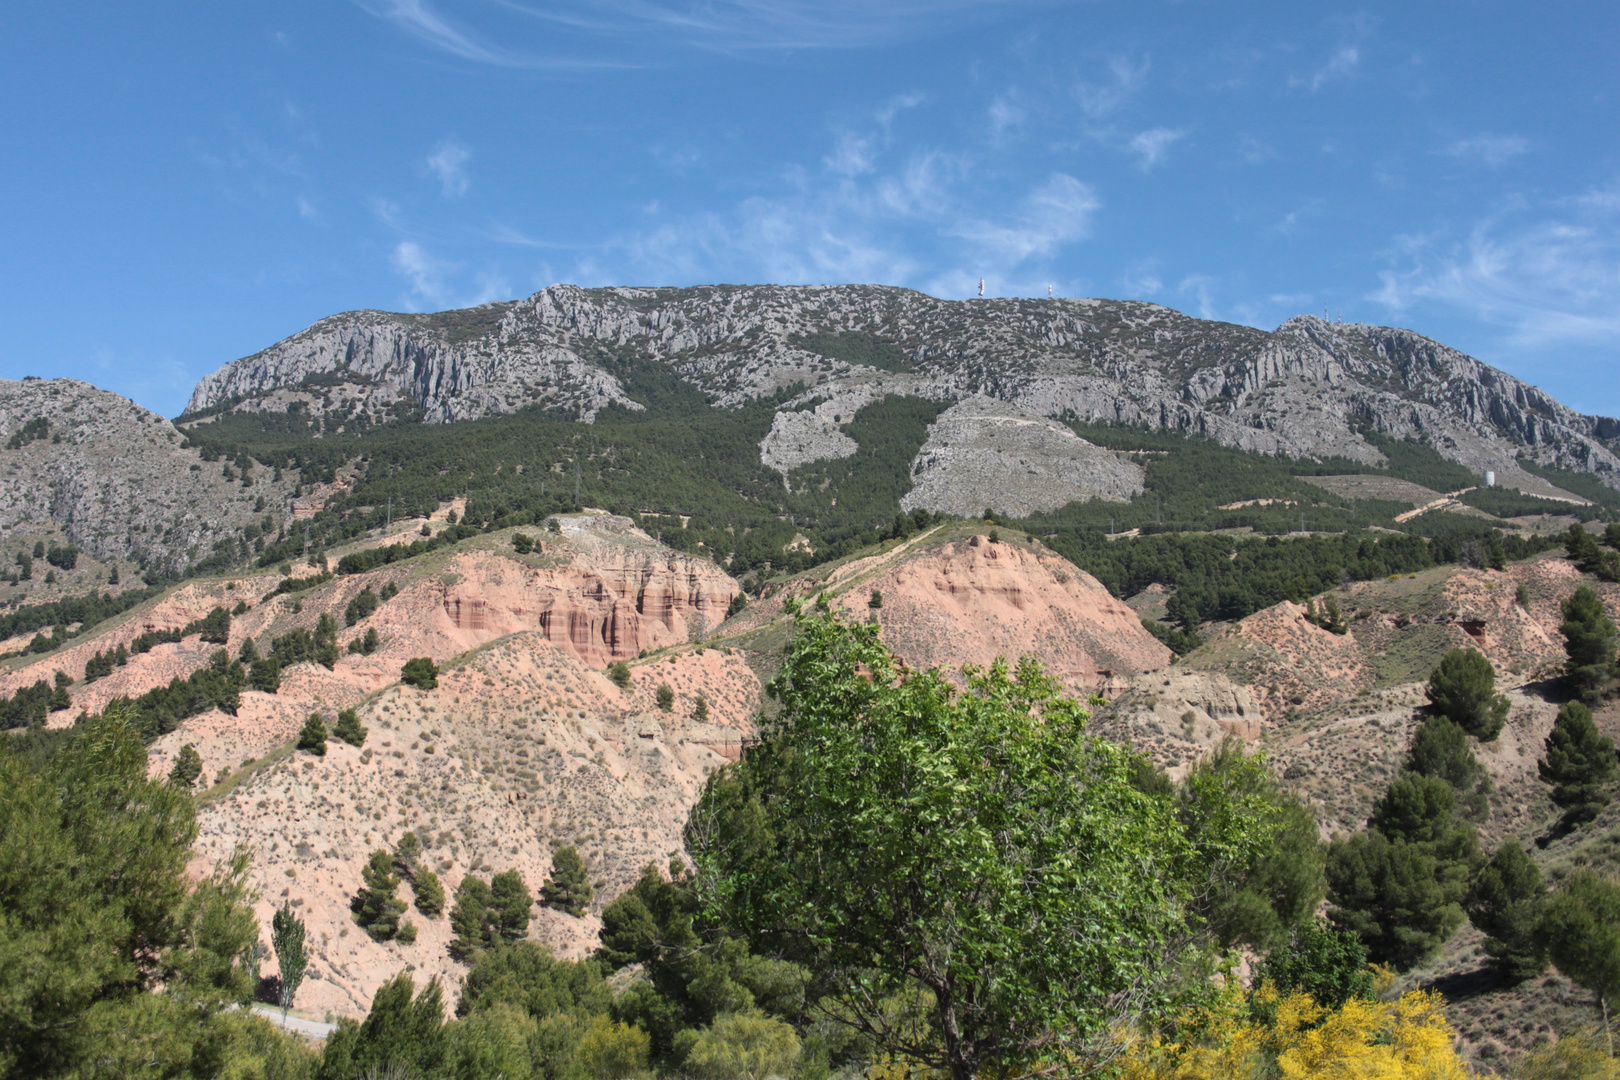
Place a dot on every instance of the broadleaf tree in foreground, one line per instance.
(971, 850)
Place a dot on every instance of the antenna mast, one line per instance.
(981, 288)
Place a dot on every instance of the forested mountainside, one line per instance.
(1309, 388)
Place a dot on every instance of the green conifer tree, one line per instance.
(312, 737)
(187, 767)
(568, 887)
(1580, 765)
(509, 904)
(1463, 690)
(1589, 642)
(420, 672)
(700, 709)
(349, 728)
(1440, 748)
(429, 893)
(469, 918)
(665, 697)
(1505, 905)
(377, 907)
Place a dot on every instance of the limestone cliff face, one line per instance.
(115, 478)
(1306, 388)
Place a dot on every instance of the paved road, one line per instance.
(313, 1028)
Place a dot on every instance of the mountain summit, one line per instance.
(1310, 388)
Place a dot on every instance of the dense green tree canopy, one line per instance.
(901, 835)
(1463, 690)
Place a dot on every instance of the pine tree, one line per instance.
(349, 728)
(187, 767)
(1580, 765)
(1440, 748)
(313, 735)
(1589, 641)
(420, 672)
(1580, 927)
(568, 888)
(619, 673)
(665, 697)
(1505, 905)
(287, 939)
(469, 919)
(429, 893)
(700, 709)
(509, 904)
(59, 695)
(377, 907)
(1463, 690)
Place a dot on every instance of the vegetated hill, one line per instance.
(96, 470)
(525, 746)
(1335, 714)
(1305, 390)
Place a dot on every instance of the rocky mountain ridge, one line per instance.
(118, 479)
(1306, 389)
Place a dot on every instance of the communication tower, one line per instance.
(981, 288)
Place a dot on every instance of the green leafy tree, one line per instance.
(568, 887)
(420, 672)
(312, 737)
(1262, 901)
(1505, 905)
(619, 673)
(287, 939)
(1580, 764)
(377, 906)
(1320, 960)
(349, 728)
(187, 767)
(112, 962)
(665, 697)
(1589, 642)
(399, 1036)
(509, 906)
(470, 919)
(943, 825)
(522, 544)
(1463, 690)
(1580, 927)
(700, 709)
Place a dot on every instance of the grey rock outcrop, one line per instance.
(114, 476)
(986, 453)
(1308, 388)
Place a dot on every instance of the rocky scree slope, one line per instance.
(1305, 389)
(113, 476)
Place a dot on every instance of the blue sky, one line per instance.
(185, 183)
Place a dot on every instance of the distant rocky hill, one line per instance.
(116, 479)
(1307, 389)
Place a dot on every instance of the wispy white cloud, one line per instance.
(1200, 288)
(1341, 65)
(446, 163)
(851, 156)
(429, 277)
(1488, 149)
(655, 25)
(1152, 145)
(1548, 278)
(1100, 100)
(1005, 114)
(306, 210)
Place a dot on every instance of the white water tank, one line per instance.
(1490, 478)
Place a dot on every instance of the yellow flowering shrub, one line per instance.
(1408, 1039)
